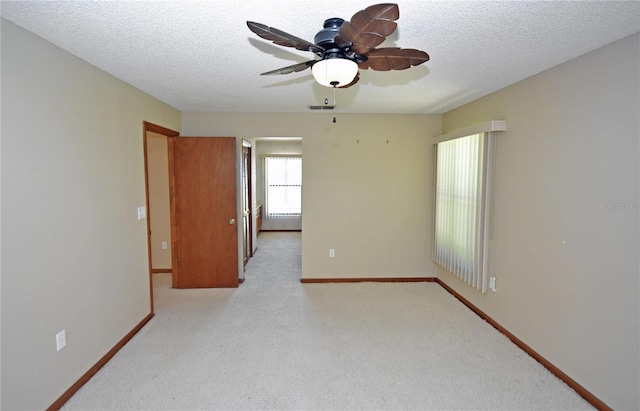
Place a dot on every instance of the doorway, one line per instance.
(247, 201)
(157, 200)
(285, 216)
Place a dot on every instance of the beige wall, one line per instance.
(367, 187)
(565, 233)
(159, 210)
(74, 255)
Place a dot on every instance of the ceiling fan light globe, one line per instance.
(335, 72)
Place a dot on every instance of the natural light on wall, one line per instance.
(463, 191)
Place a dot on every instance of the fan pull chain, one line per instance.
(334, 102)
(326, 102)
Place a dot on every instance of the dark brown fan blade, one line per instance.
(354, 81)
(393, 58)
(369, 27)
(283, 39)
(291, 69)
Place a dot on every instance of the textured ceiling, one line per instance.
(200, 55)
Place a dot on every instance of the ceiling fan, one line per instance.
(343, 47)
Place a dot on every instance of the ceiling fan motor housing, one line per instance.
(326, 37)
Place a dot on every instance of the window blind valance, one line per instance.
(493, 125)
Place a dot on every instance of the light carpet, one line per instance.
(275, 343)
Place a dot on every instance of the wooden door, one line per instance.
(247, 223)
(202, 187)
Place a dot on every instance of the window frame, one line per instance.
(479, 279)
(267, 208)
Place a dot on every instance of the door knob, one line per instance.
(232, 221)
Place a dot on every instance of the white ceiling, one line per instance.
(200, 55)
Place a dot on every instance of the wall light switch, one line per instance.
(61, 340)
(332, 253)
(142, 213)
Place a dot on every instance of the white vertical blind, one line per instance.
(284, 186)
(461, 207)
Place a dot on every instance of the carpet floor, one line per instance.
(275, 343)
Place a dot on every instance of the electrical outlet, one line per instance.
(332, 253)
(492, 284)
(61, 340)
(164, 245)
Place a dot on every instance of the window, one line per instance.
(284, 186)
(462, 207)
